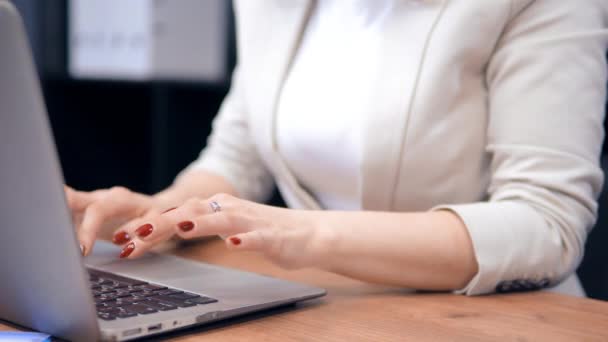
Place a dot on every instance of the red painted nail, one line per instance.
(186, 226)
(144, 230)
(121, 238)
(168, 210)
(127, 250)
(235, 240)
(82, 249)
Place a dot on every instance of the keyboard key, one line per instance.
(114, 304)
(122, 294)
(132, 289)
(104, 281)
(120, 285)
(159, 305)
(184, 296)
(103, 299)
(106, 316)
(126, 314)
(201, 300)
(168, 292)
(172, 301)
(107, 297)
(152, 287)
(109, 310)
(131, 300)
(140, 309)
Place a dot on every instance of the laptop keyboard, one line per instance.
(121, 297)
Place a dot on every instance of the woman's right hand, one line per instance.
(106, 210)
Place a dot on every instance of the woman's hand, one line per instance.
(102, 210)
(285, 236)
(426, 250)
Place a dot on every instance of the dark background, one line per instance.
(140, 134)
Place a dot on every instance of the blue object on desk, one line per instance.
(13, 336)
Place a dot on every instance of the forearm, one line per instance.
(201, 184)
(429, 250)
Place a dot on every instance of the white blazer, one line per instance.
(502, 123)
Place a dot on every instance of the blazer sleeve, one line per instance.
(547, 91)
(231, 151)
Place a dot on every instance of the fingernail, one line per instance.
(235, 240)
(127, 250)
(168, 210)
(144, 230)
(82, 249)
(121, 238)
(186, 226)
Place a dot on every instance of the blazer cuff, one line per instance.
(508, 241)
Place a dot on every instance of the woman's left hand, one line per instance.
(288, 237)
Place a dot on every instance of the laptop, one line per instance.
(46, 285)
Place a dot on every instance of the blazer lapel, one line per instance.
(408, 33)
(291, 16)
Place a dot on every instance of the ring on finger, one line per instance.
(215, 206)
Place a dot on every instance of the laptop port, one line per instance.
(155, 327)
(131, 332)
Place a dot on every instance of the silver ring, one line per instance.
(215, 207)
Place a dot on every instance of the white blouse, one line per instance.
(330, 88)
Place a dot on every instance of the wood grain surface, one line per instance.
(356, 311)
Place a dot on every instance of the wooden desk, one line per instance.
(354, 311)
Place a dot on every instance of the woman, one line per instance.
(440, 144)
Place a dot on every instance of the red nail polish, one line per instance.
(82, 249)
(121, 238)
(168, 210)
(186, 226)
(144, 230)
(235, 240)
(127, 250)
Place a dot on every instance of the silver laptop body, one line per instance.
(43, 281)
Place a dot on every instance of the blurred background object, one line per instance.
(132, 87)
(140, 124)
(149, 40)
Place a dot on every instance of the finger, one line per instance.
(92, 220)
(170, 218)
(126, 232)
(78, 201)
(222, 224)
(144, 233)
(118, 203)
(196, 218)
(256, 240)
(152, 228)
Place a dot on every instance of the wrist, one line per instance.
(323, 238)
